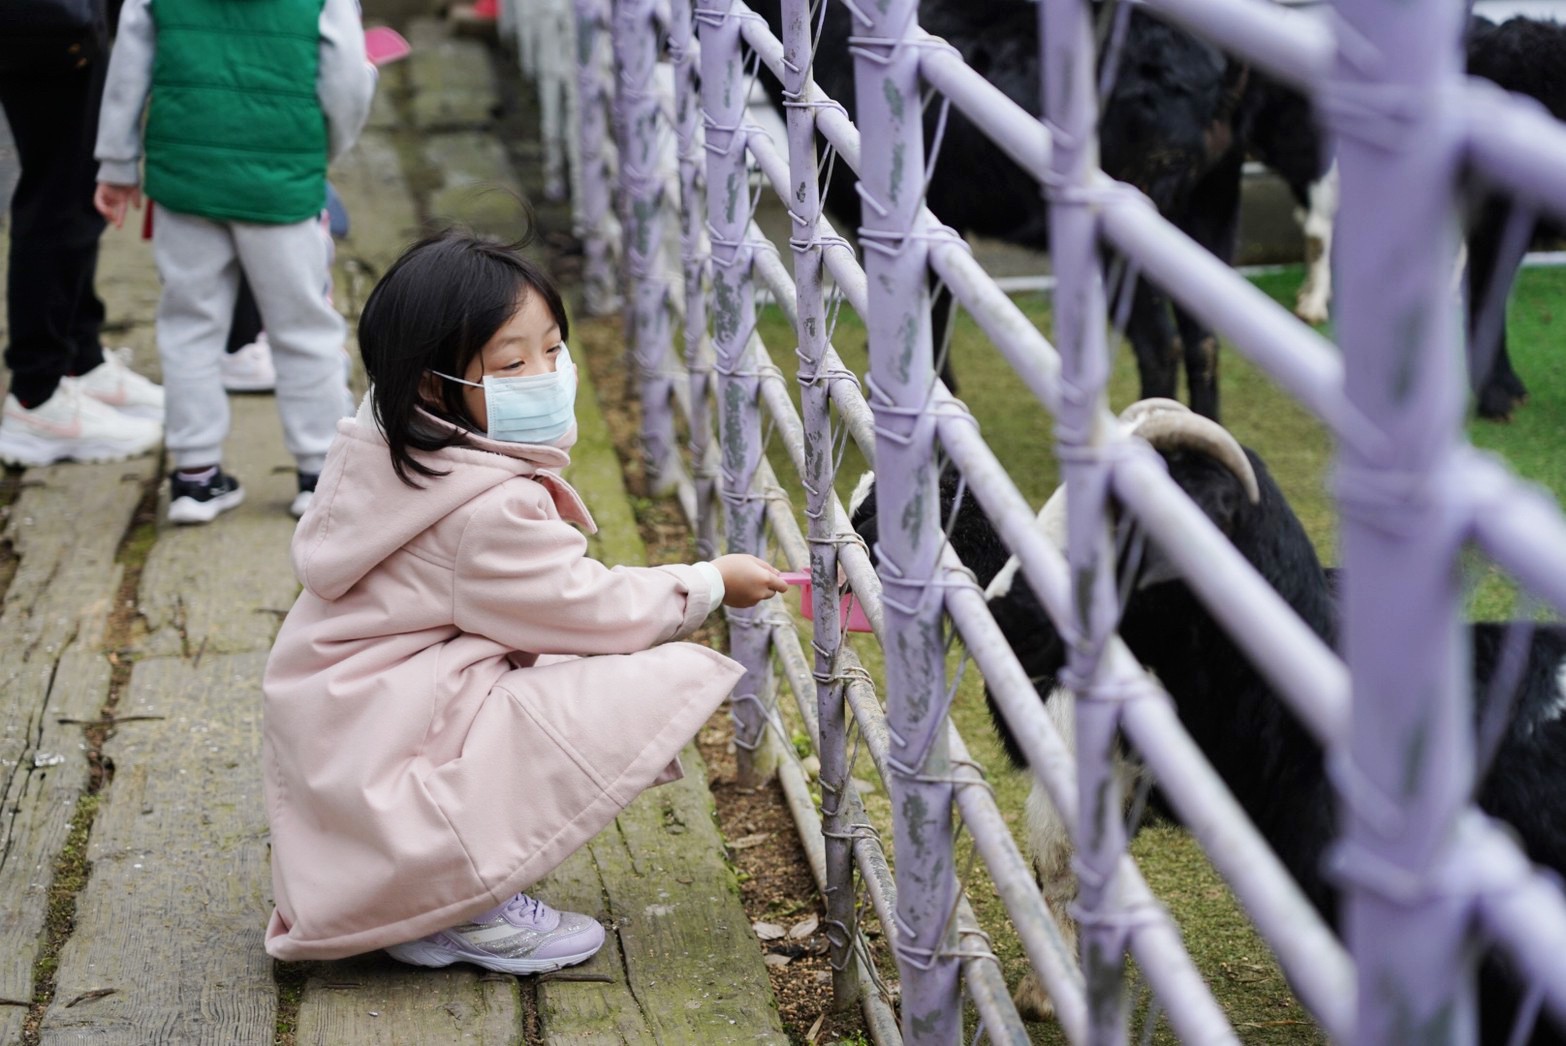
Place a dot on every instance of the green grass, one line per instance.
(1233, 959)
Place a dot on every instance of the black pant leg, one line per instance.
(247, 317)
(53, 312)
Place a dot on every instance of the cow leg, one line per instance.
(1211, 217)
(1315, 295)
(1154, 341)
(1492, 267)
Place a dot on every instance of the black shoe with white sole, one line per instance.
(202, 501)
(301, 502)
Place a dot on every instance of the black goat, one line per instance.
(1169, 128)
(1269, 762)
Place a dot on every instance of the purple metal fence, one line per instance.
(1418, 863)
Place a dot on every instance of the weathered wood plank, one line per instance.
(692, 958)
(171, 921)
(374, 1000)
(11, 1019)
(588, 1013)
(52, 667)
(452, 80)
(478, 187)
(223, 588)
(371, 182)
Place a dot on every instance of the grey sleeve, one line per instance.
(345, 83)
(118, 149)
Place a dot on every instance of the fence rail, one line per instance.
(1411, 491)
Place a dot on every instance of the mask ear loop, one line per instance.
(459, 381)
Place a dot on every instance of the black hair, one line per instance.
(435, 309)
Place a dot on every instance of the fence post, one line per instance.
(804, 208)
(723, 97)
(1407, 771)
(1071, 113)
(600, 295)
(637, 121)
(902, 376)
(693, 267)
(552, 65)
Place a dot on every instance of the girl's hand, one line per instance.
(747, 580)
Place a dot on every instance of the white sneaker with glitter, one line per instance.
(112, 382)
(71, 424)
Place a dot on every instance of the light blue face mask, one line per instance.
(531, 408)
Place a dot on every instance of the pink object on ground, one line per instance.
(383, 45)
(851, 610)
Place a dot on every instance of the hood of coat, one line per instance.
(362, 512)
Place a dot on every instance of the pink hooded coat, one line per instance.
(421, 763)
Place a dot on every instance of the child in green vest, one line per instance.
(248, 103)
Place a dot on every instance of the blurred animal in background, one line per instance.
(1523, 55)
(1174, 125)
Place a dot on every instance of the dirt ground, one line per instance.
(775, 881)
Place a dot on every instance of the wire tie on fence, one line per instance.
(837, 933)
(822, 374)
(749, 744)
(1389, 116)
(916, 956)
(1127, 919)
(1349, 863)
(981, 782)
(866, 830)
(1385, 816)
(1118, 688)
(1395, 502)
(932, 407)
(735, 131)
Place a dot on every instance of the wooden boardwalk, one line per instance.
(121, 635)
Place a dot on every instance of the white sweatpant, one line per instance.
(199, 261)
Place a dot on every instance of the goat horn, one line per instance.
(1169, 425)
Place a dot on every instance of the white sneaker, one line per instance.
(523, 935)
(71, 424)
(250, 368)
(114, 383)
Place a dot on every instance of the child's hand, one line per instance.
(112, 201)
(747, 580)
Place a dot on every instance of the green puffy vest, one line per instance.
(235, 131)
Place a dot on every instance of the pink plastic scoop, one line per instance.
(851, 610)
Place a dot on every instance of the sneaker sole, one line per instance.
(30, 451)
(189, 510)
(422, 953)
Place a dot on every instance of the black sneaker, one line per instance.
(307, 482)
(202, 501)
